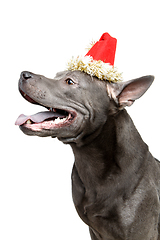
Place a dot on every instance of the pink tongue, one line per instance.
(38, 117)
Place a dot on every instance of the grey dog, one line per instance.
(115, 179)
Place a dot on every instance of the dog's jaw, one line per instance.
(51, 121)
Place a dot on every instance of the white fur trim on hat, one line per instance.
(99, 69)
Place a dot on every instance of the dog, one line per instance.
(115, 179)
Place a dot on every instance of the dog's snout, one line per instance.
(26, 75)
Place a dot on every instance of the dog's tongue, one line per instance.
(38, 117)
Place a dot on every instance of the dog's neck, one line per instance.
(117, 148)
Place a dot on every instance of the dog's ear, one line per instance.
(125, 93)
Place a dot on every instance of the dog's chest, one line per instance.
(114, 217)
(94, 210)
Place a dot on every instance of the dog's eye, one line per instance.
(69, 81)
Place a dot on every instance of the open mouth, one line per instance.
(53, 118)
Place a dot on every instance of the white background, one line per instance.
(41, 36)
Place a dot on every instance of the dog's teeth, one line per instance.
(28, 121)
(58, 120)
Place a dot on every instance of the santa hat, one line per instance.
(99, 61)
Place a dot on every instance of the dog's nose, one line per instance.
(26, 75)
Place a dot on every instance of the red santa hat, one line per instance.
(104, 49)
(99, 61)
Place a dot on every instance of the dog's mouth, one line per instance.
(46, 120)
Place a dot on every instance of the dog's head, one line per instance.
(77, 104)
